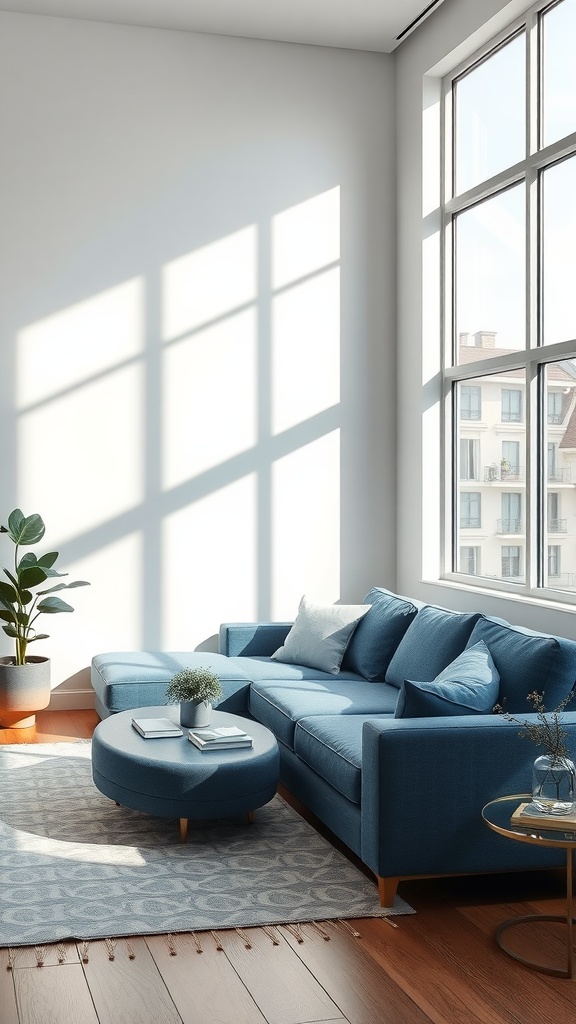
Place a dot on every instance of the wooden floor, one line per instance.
(441, 964)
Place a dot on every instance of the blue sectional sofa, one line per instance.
(399, 750)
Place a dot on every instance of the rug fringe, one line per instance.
(272, 931)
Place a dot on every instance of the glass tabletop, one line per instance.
(497, 816)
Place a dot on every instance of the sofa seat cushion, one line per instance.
(378, 633)
(279, 705)
(527, 661)
(468, 686)
(136, 679)
(332, 746)
(433, 639)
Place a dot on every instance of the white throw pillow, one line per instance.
(320, 635)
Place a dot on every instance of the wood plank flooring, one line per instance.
(440, 965)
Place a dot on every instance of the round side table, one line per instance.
(497, 815)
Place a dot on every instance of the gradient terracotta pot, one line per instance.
(24, 690)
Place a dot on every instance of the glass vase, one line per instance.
(553, 783)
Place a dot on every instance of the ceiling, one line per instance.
(354, 24)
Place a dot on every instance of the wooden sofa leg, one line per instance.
(387, 890)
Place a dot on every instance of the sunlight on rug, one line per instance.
(76, 866)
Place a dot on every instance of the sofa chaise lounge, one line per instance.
(398, 751)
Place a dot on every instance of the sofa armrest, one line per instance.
(252, 639)
(424, 783)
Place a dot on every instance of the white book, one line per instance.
(219, 742)
(156, 728)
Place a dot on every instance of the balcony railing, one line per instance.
(560, 476)
(557, 526)
(496, 474)
(510, 526)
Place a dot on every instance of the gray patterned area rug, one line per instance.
(74, 865)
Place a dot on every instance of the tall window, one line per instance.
(470, 510)
(470, 560)
(470, 402)
(509, 273)
(511, 405)
(469, 458)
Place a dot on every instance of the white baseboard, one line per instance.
(71, 700)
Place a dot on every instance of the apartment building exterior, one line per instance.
(491, 471)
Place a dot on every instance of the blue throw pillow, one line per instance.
(469, 686)
(433, 639)
(526, 661)
(378, 634)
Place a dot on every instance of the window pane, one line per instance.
(469, 560)
(560, 472)
(490, 126)
(558, 72)
(490, 276)
(491, 478)
(559, 256)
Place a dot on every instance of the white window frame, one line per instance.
(535, 354)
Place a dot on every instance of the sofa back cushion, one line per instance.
(378, 634)
(320, 635)
(468, 686)
(527, 661)
(433, 639)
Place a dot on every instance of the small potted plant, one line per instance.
(195, 688)
(24, 679)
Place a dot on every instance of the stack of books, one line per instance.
(156, 728)
(224, 738)
(527, 816)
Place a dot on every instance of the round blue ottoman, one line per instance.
(171, 778)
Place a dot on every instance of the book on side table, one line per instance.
(223, 738)
(156, 728)
(526, 816)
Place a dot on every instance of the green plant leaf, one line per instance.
(8, 595)
(31, 577)
(47, 560)
(25, 529)
(51, 605)
(10, 630)
(38, 636)
(7, 616)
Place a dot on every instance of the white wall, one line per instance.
(197, 377)
(455, 31)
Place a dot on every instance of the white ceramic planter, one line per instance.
(195, 714)
(24, 690)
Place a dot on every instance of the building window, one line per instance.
(470, 510)
(553, 560)
(511, 561)
(469, 458)
(509, 158)
(511, 406)
(470, 402)
(511, 521)
(554, 407)
(470, 560)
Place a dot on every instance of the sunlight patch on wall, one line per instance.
(209, 283)
(84, 454)
(107, 615)
(306, 238)
(209, 565)
(209, 398)
(305, 350)
(72, 346)
(306, 526)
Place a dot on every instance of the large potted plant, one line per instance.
(24, 678)
(195, 689)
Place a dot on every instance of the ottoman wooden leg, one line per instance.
(183, 829)
(250, 817)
